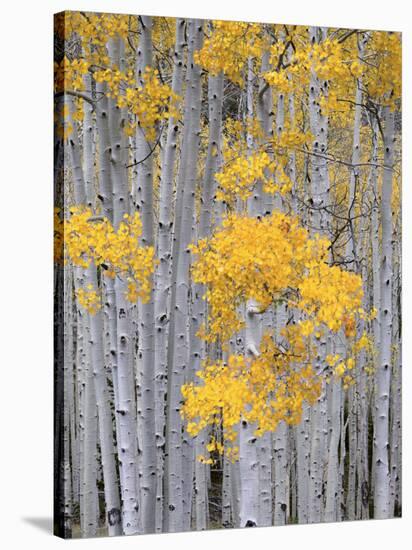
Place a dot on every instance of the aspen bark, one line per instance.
(396, 391)
(281, 474)
(319, 221)
(303, 464)
(281, 504)
(197, 346)
(248, 459)
(105, 195)
(264, 111)
(89, 144)
(97, 358)
(383, 382)
(90, 503)
(67, 509)
(178, 335)
(146, 356)
(111, 491)
(163, 273)
(332, 487)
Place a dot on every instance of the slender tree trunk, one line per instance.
(89, 143)
(376, 268)
(146, 355)
(248, 459)
(362, 506)
(280, 448)
(319, 222)
(90, 502)
(67, 403)
(111, 491)
(97, 359)
(382, 473)
(396, 391)
(303, 464)
(105, 195)
(163, 274)
(197, 346)
(178, 335)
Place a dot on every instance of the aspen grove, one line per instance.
(227, 251)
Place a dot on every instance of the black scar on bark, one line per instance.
(365, 493)
(250, 523)
(113, 516)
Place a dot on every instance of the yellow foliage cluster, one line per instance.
(331, 294)
(268, 262)
(340, 64)
(364, 342)
(271, 260)
(228, 48)
(239, 177)
(93, 29)
(151, 100)
(383, 78)
(331, 61)
(89, 299)
(117, 252)
(263, 392)
(328, 59)
(243, 169)
(65, 114)
(68, 75)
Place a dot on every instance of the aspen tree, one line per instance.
(146, 310)
(178, 337)
(104, 414)
(264, 109)
(248, 459)
(90, 503)
(99, 377)
(163, 273)
(197, 347)
(319, 199)
(381, 437)
(280, 440)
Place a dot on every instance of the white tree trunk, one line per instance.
(112, 500)
(178, 334)
(282, 472)
(303, 464)
(111, 491)
(89, 144)
(248, 459)
(319, 222)
(163, 273)
(332, 487)
(90, 502)
(67, 509)
(197, 346)
(146, 355)
(382, 473)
